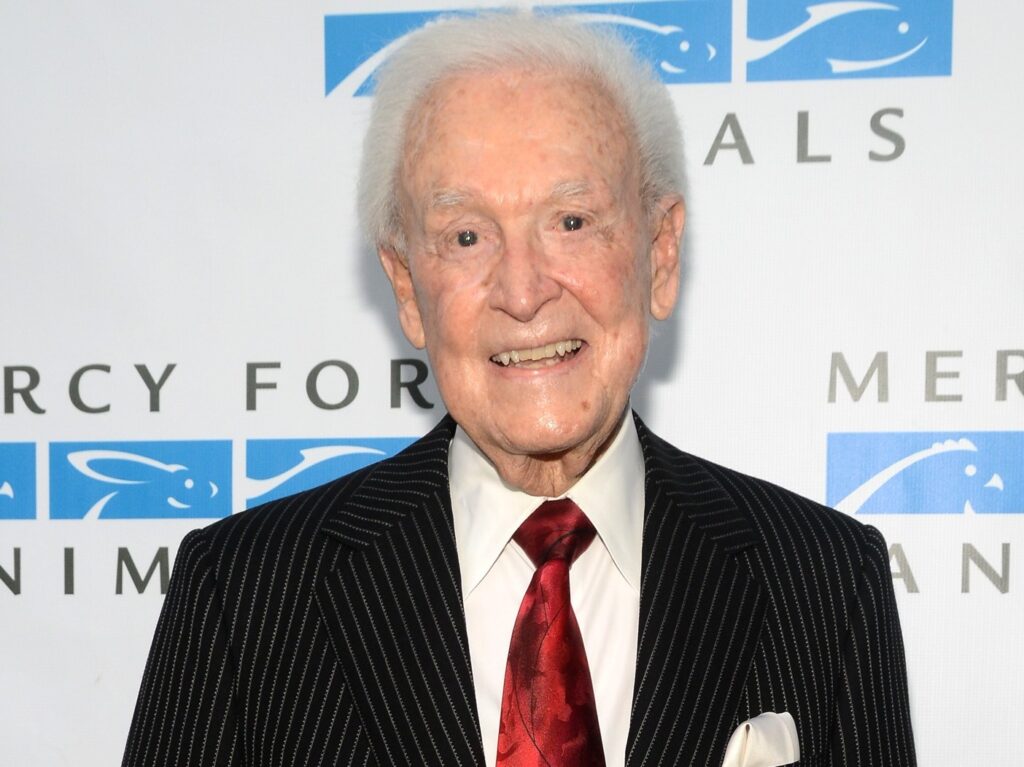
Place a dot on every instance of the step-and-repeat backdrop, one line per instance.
(190, 326)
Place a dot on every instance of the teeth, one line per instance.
(557, 349)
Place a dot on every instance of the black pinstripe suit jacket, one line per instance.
(327, 628)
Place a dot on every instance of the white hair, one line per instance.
(497, 40)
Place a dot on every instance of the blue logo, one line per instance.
(794, 40)
(688, 41)
(140, 480)
(276, 468)
(691, 41)
(17, 480)
(926, 472)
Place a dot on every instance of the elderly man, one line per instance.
(540, 580)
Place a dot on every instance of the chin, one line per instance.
(549, 434)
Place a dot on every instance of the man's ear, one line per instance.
(667, 228)
(397, 269)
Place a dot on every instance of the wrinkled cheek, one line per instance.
(631, 370)
(444, 388)
(451, 341)
(452, 378)
(435, 305)
(631, 347)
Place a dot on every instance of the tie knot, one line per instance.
(555, 530)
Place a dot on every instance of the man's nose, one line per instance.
(522, 279)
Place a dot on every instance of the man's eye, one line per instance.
(572, 223)
(467, 238)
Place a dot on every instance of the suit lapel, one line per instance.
(392, 604)
(700, 613)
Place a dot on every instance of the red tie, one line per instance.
(548, 715)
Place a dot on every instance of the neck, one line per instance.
(550, 474)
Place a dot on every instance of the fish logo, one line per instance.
(789, 40)
(17, 480)
(276, 468)
(140, 480)
(926, 473)
(685, 40)
(691, 41)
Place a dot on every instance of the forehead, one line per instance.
(514, 132)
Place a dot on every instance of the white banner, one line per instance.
(189, 324)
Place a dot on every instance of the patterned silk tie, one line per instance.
(548, 715)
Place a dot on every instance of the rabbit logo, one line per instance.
(790, 40)
(140, 480)
(17, 480)
(926, 473)
(686, 40)
(276, 468)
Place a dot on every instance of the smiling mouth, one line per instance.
(539, 356)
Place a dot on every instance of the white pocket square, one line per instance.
(767, 740)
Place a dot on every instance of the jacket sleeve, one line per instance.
(873, 717)
(184, 714)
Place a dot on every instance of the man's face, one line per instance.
(532, 266)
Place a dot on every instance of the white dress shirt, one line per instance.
(604, 582)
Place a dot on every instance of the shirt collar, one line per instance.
(487, 512)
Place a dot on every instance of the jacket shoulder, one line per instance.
(766, 502)
(782, 519)
(282, 527)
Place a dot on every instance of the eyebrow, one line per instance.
(448, 198)
(455, 197)
(570, 189)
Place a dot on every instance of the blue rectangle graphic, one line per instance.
(972, 472)
(687, 41)
(140, 480)
(276, 468)
(17, 480)
(799, 40)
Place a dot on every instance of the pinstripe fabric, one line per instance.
(327, 628)
(241, 670)
(754, 599)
